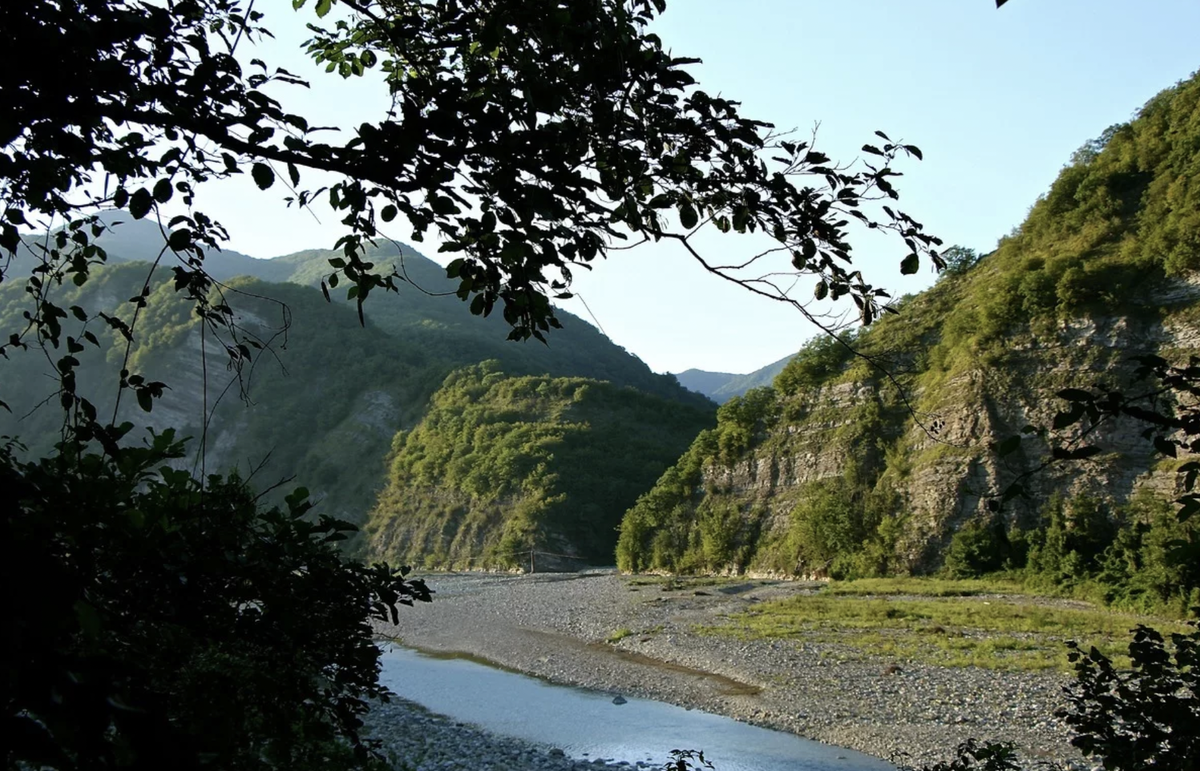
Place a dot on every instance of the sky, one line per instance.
(997, 100)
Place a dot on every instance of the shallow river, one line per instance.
(588, 725)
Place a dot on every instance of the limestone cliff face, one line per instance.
(869, 452)
(911, 448)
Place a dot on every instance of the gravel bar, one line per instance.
(415, 739)
(555, 626)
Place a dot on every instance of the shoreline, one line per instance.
(555, 627)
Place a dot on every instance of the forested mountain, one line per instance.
(500, 466)
(835, 469)
(425, 309)
(320, 405)
(723, 386)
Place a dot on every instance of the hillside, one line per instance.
(424, 310)
(835, 469)
(321, 406)
(723, 386)
(500, 466)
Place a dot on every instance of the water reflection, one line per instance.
(587, 724)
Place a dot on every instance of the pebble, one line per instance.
(553, 626)
(414, 739)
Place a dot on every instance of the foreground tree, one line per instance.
(169, 620)
(154, 621)
(531, 136)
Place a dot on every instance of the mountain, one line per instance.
(881, 462)
(322, 401)
(500, 467)
(723, 386)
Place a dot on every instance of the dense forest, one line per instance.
(874, 454)
(324, 395)
(502, 466)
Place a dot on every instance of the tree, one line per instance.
(155, 620)
(959, 260)
(532, 136)
(1148, 717)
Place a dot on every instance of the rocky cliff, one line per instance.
(869, 452)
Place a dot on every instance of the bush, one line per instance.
(977, 548)
(1148, 717)
(157, 622)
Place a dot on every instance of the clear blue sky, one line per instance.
(996, 99)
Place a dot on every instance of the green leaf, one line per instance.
(1074, 395)
(263, 176)
(145, 399)
(821, 290)
(687, 215)
(389, 213)
(323, 8)
(909, 264)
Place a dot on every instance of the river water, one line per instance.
(588, 725)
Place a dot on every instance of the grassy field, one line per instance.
(949, 623)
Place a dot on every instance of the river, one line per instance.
(589, 725)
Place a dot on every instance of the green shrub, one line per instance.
(979, 547)
(162, 622)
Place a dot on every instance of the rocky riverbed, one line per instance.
(557, 627)
(415, 739)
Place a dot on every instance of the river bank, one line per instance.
(555, 626)
(415, 739)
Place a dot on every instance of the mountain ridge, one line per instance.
(833, 471)
(723, 386)
(321, 407)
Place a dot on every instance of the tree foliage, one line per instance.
(1148, 717)
(500, 465)
(529, 135)
(165, 622)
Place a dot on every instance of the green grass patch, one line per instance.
(680, 583)
(940, 622)
(925, 587)
(618, 635)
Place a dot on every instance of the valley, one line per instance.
(247, 500)
(702, 643)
